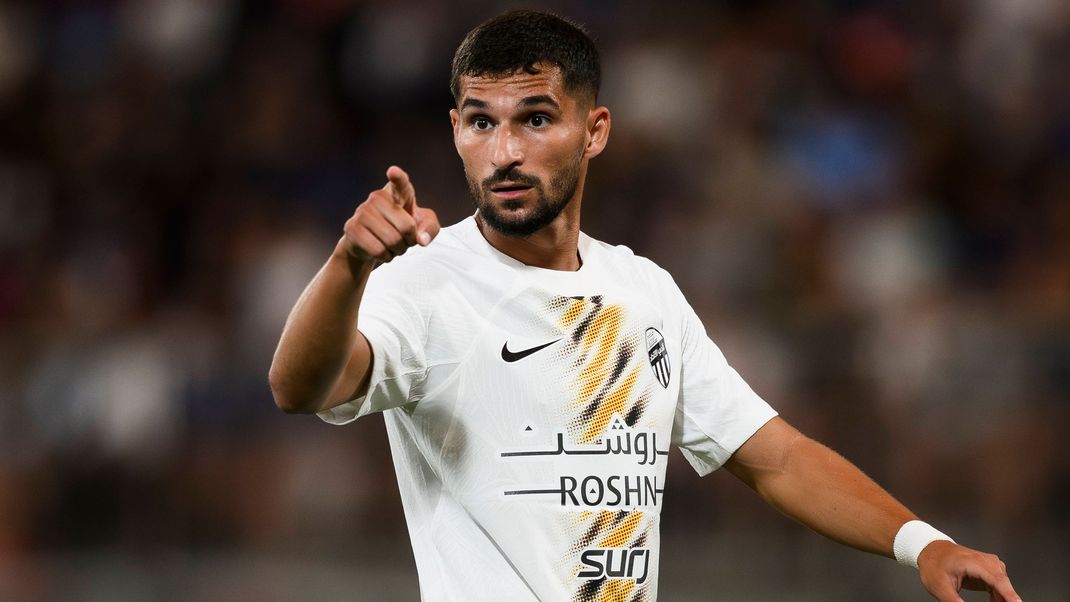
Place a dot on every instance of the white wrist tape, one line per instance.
(912, 538)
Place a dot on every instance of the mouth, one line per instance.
(509, 190)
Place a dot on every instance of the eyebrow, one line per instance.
(473, 102)
(541, 99)
(528, 101)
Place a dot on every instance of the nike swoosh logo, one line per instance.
(512, 356)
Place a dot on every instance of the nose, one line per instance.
(508, 148)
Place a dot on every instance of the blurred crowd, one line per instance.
(868, 203)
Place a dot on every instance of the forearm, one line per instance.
(820, 489)
(318, 355)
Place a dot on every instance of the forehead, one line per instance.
(511, 88)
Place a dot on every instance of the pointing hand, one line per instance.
(389, 221)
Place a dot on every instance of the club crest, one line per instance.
(658, 355)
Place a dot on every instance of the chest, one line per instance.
(575, 364)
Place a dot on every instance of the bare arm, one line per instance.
(819, 488)
(322, 360)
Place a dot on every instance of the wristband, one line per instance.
(912, 538)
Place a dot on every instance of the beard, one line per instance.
(549, 203)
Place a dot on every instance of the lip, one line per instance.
(510, 190)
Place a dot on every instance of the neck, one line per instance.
(555, 247)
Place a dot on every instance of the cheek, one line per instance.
(471, 152)
(562, 153)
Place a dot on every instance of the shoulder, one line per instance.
(643, 276)
(642, 270)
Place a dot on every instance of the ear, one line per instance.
(455, 122)
(598, 123)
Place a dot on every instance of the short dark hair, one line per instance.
(519, 39)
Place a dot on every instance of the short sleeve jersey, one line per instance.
(530, 414)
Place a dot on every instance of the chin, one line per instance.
(510, 223)
(512, 207)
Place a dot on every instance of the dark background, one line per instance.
(868, 203)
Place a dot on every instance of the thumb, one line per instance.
(427, 226)
(400, 188)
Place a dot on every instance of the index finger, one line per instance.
(1002, 584)
(999, 584)
(401, 187)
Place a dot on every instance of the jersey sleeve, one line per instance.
(392, 318)
(716, 411)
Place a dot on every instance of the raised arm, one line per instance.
(322, 360)
(819, 488)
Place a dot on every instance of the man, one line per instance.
(532, 378)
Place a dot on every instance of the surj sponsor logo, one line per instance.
(615, 563)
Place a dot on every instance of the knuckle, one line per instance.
(377, 197)
(360, 216)
(353, 236)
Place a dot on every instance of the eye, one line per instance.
(481, 123)
(538, 120)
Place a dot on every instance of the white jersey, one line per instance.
(530, 413)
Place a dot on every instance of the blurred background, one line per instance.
(868, 203)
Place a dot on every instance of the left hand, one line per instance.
(946, 568)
